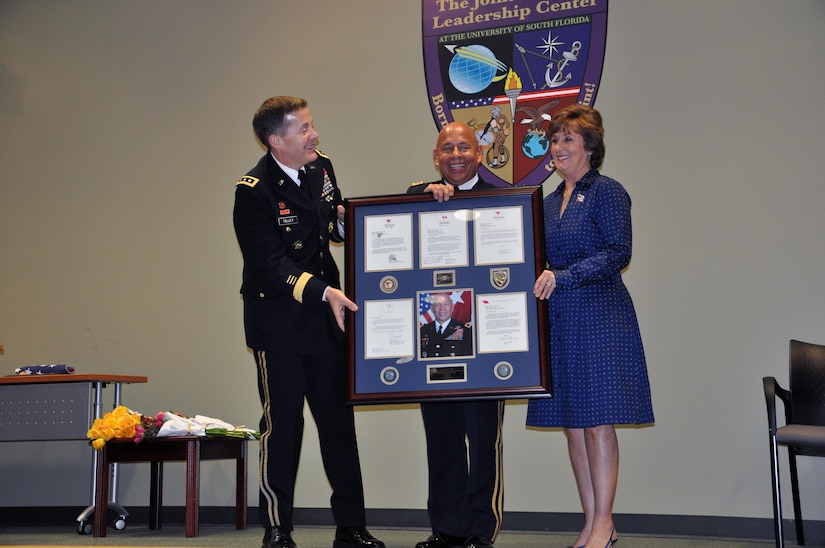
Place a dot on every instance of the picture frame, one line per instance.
(468, 265)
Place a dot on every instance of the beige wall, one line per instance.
(124, 126)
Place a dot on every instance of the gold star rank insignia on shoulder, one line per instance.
(248, 181)
(417, 183)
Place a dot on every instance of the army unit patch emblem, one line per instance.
(500, 277)
(504, 67)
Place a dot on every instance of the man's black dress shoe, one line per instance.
(278, 537)
(355, 537)
(478, 541)
(441, 540)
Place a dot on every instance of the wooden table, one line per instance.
(190, 449)
(71, 377)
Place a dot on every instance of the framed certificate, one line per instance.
(445, 297)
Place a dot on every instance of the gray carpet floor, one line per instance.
(226, 536)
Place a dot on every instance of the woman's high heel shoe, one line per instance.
(612, 540)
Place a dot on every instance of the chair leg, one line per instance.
(797, 505)
(776, 496)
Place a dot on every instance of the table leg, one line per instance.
(193, 480)
(156, 495)
(240, 487)
(101, 502)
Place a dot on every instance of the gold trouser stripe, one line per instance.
(498, 490)
(298, 289)
(263, 461)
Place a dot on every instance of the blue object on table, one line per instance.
(45, 369)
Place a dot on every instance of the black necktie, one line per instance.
(302, 176)
(440, 330)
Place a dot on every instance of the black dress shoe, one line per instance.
(278, 537)
(355, 537)
(478, 541)
(441, 540)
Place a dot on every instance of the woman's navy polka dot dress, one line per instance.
(598, 364)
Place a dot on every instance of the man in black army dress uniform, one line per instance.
(287, 209)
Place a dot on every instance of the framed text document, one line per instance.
(445, 297)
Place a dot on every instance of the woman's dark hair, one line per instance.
(587, 122)
(271, 116)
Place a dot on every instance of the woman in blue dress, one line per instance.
(597, 359)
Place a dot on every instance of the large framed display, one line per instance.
(445, 297)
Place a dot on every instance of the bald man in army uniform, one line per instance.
(464, 438)
(444, 336)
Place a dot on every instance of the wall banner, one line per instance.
(504, 66)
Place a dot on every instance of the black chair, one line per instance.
(804, 430)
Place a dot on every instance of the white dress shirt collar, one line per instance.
(469, 184)
(293, 173)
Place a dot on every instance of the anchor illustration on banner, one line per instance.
(551, 79)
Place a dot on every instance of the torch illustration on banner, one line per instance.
(512, 88)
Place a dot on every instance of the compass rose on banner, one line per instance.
(504, 69)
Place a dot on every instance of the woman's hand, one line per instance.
(545, 284)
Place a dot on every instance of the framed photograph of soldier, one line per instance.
(445, 320)
(445, 297)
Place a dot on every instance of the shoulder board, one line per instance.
(321, 154)
(417, 183)
(248, 181)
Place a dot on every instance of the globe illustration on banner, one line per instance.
(473, 68)
(535, 144)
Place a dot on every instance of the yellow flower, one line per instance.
(98, 443)
(120, 411)
(107, 432)
(124, 426)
